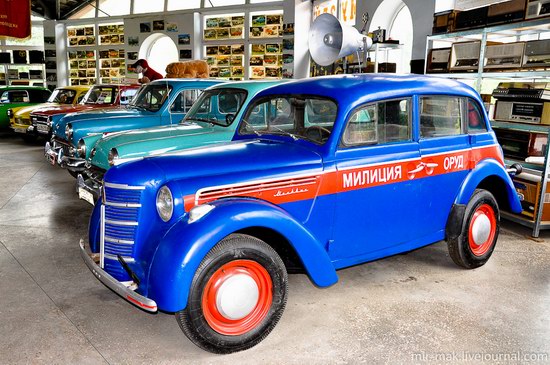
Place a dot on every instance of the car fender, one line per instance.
(484, 169)
(184, 246)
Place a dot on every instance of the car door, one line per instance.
(180, 106)
(445, 151)
(377, 199)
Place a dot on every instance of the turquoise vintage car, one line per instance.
(161, 102)
(212, 119)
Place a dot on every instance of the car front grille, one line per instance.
(120, 213)
(39, 119)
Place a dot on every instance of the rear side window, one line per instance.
(15, 96)
(476, 123)
(440, 116)
(379, 123)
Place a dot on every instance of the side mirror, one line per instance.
(229, 118)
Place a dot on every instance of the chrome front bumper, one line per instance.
(87, 189)
(125, 290)
(54, 155)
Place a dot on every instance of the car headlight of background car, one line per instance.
(69, 131)
(165, 203)
(113, 155)
(81, 148)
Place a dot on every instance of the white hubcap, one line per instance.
(237, 297)
(481, 229)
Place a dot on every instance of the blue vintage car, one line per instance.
(323, 174)
(213, 119)
(161, 102)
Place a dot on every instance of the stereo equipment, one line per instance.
(438, 60)
(506, 12)
(474, 18)
(330, 39)
(523, 102)
(537, 53)
(504, 56)
(444, 22)
(465, 56)
(537, 9)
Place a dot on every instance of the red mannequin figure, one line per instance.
(141, 66)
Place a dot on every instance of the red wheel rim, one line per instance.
(482, 230)
(216, 291)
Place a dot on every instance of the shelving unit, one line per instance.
(28, 66)
(533, 182)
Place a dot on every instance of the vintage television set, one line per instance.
(537, 53)
(504, 56)
(438, 60)
(537, 9)
(506, 12)
(523, 102)
(465, 56)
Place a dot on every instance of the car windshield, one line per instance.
(217, 106)
(101, 95)
(151, 97)
(62, 96)
(300, 117)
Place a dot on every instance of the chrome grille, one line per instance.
(120, 223)
(39, 119)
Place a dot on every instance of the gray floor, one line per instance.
(413, 308)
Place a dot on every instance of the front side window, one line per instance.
(303, 117)
(100, 95)
(62, 96)
(185, 100)
(379, 123)
(476, 123)
(151, 97)
(440, 116)
(217, 106)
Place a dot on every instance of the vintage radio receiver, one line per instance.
(537, 53)
(469, 19)
(506, 12)
(537, 9)
(444, 22)
(523, 102)
(465, 56)
(503, 56)
(438, 60)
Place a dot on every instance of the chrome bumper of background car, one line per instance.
(87, 189)
(53, 154)
(125, 291)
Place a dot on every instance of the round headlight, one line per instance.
(81, 148)
(92, 152)
(113, 155)
(165, 203)
(69, 131)
(10, 113)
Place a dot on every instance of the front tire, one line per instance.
(237, 296)
(479, 232)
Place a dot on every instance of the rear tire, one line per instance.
(237, 296)
(479, 233)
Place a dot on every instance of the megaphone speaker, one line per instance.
(330, 40)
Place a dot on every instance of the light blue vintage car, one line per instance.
(213, 119)
(162, 102)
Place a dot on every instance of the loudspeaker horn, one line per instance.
(330, 40)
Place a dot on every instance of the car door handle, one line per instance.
(419, 168)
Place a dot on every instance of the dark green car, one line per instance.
(18, 96)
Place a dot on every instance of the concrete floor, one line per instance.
(413, 308)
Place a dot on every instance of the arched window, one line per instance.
(159, 50)
(395, 17)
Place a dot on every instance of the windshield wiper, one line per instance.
(283, 132)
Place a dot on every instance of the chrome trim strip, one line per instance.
(123, 205)
(119, 223)
(115, 285)
(114, 240)
(115, 258)
(120, 161)
(124, 186)
(102, 238)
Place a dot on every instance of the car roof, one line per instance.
(74, 87)
(360, 88)
(250, 85)
(22, 87)
(187, 80)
